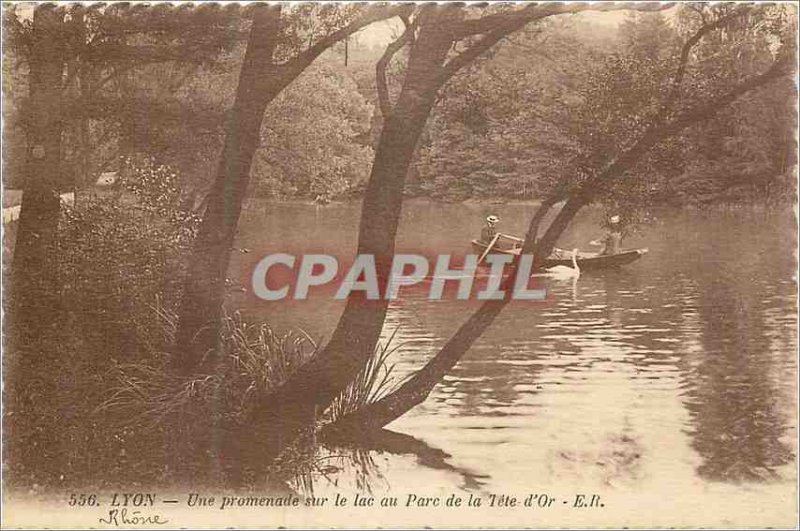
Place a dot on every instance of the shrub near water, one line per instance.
(116, 254)
(114, 262)
(113, 404)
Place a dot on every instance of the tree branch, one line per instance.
(370, 15)
(686, 50)
(479, 48)
(380, 67)
(531, 12)
(655, 134)
(497, 26)
(704, 111)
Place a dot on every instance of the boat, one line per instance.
(586, 261)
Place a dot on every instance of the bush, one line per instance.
(115, 255)
(106, 399)
(114, 261)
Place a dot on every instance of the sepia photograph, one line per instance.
(308, 265)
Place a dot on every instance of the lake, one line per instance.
(667, 386)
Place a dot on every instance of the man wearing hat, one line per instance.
(488, 232)
(612, 240)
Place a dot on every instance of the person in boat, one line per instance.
(612, 240)
(489, 232)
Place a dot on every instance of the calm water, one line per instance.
(673, 378)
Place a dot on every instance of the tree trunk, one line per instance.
(279, 417)
(417, 388)
(33, 277)
(204, 290)
(34, 286)
(544, 247)
(260, 82)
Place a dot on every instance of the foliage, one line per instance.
(310, 144)
(508, 118)
(121, 68)
(156, 188)
(256, 360)
(549, 109)
(306, 22)
(114, 259)
(540, 102)
(741, 154)
(115, 255)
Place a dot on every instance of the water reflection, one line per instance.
(360, 453)
(680, 368)
(734, 394)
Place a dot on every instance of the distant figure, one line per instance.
(488, 232)
(612, 240)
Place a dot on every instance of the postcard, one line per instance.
(399, 265)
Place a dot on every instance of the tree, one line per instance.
(35, 286)
(432, 34)
(32, 267)
(652, 121)
(72, 54)
(271, 62)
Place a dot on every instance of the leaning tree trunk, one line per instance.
(204, 290)
(260, 81)
(419, 386)
(279, 417)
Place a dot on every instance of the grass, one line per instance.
(371, 384)
(255, 360)
(149, 399)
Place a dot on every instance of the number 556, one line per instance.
(81, 500)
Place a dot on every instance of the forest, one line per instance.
(123, 357)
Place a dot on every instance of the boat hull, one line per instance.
(586, 261)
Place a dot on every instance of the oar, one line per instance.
(489, 248)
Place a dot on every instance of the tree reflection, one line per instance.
(733, 397)
(359, 453)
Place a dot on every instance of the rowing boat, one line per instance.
(586, 261)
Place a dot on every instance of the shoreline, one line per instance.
(472, 202)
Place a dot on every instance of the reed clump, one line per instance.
(253, 360)
(372, 383)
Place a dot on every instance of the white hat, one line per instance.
(492, 219)
(614, 219)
